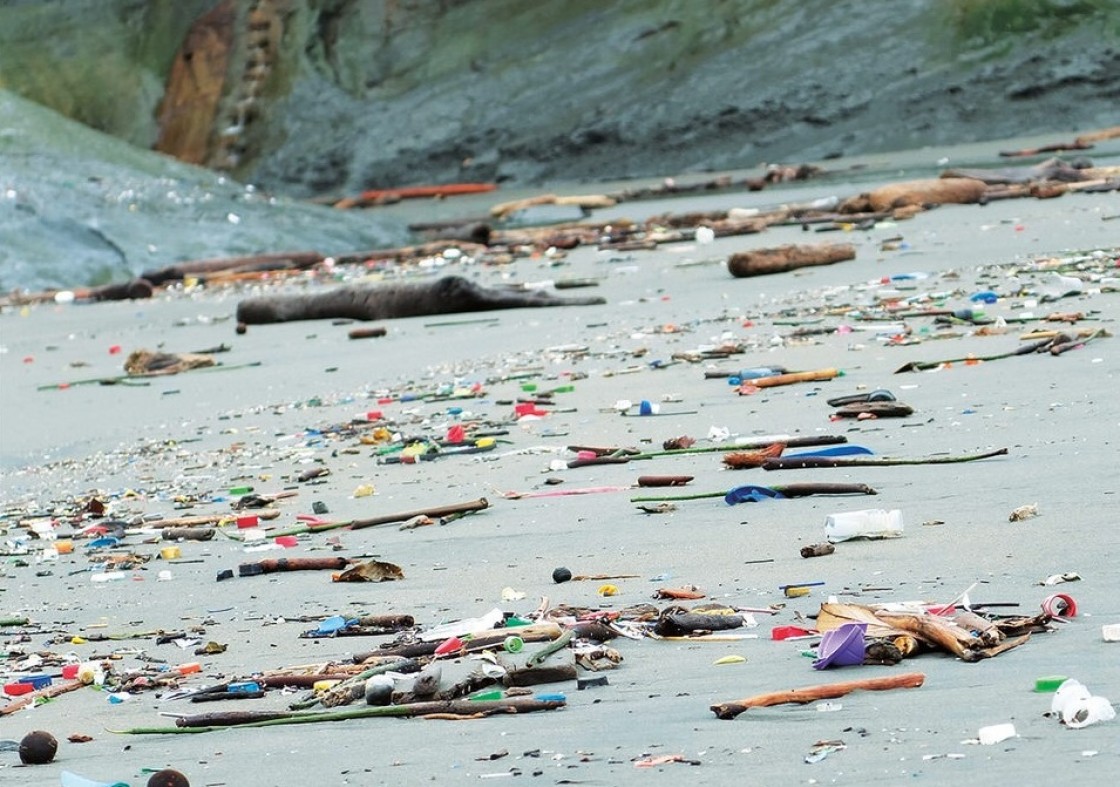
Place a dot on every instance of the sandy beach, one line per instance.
(277, 407)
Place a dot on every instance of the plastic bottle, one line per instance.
(868, 523)
(466, 626)
(756, 372)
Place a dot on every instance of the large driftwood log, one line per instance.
(780, 259)
(446, 295)
(935, 191)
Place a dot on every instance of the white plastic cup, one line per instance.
(868, 523)
(1070, 691)
(996, 733)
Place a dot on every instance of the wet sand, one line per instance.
(208, 431)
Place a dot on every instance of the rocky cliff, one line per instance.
(315, 97)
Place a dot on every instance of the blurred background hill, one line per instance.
(321, 98)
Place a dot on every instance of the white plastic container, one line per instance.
(868, 523)
(996, 733)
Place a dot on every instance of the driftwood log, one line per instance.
(934, 191)
(729, 710)
(446, 295)
(780, 259)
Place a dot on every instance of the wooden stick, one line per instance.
(434, 512)
(788, 490)
(273, 565)
(49, 692)
(207, 722)
(802, 462)
(1026, 349)
(209, 519)
(181, 270)
(815, 375)
(729, 710)
(787, 441)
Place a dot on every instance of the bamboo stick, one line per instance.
(802, 462)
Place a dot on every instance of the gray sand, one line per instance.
(208, 431)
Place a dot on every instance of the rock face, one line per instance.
(315, 97)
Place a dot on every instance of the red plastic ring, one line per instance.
(1060, 605)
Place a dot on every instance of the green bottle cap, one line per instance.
(513, 644)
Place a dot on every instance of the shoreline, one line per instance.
(204, 433)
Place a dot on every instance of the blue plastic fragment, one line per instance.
(751, 493)
(836, 450)
(334, 624)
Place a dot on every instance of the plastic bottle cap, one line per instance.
(513, 644)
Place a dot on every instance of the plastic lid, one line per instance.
(1049, 682)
